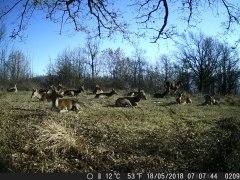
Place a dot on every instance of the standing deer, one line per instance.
(109, 94)
(64, 104)
(173, 86)
(130, 101)
(13, 89)
(183, 99)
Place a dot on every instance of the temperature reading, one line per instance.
(134, 175)
(113, 176)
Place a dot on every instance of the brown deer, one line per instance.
(173, 86)
(130, 101)
(209, 100)
(73, 92)
(13, 89)
(109, 94)
(42, 95)
(64, 104)
(183, 99)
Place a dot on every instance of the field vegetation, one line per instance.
(156, 136)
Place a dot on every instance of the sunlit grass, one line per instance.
(157, 135)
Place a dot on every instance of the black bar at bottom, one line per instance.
(122, 176)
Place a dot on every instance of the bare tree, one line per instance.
(92, 51)
(2, 32)
(3, 54)
(228, 71)
(210, 64)
(18, 66)
(105, 17)
(68, 67)
(113, 60)
(200, 55)
(139, 67)
(166, 67)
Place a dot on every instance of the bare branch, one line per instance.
(164, 22)
(20, 26)
(70, 15)
(231, 17)
(101, 18)
(149, 15)
(10, 9)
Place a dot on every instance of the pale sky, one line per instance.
(44, 42)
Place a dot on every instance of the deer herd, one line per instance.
(64, 99)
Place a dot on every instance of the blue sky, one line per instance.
(43, 41)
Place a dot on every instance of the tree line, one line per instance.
(204, 64)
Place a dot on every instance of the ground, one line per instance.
(156, 136)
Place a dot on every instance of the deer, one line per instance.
(60, 89)
(108, 94)
(97, 89)
(173, 86)
(183, 99)
(64, 104)
(130, 101)
(73, 92)
(161, 95)
(209, 100)
(13, 89)
(47, 90)
(42, 95)
(133, 93)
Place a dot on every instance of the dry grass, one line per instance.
(158, 135)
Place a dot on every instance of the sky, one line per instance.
(43, 41)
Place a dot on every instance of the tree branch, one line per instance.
(10, 9)
(231, 17)
(164, 22)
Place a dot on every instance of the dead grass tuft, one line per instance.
(52, 136)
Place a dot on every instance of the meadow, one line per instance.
(156, 136)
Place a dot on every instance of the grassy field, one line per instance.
(156, 136)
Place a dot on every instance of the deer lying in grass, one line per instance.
(13, 89)
(73, 92)
(130, 101)
(183, 99)
(109, 94)
(210, 100)
(161, 95)
(42, 95)
(132, 93)
(64, 104)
